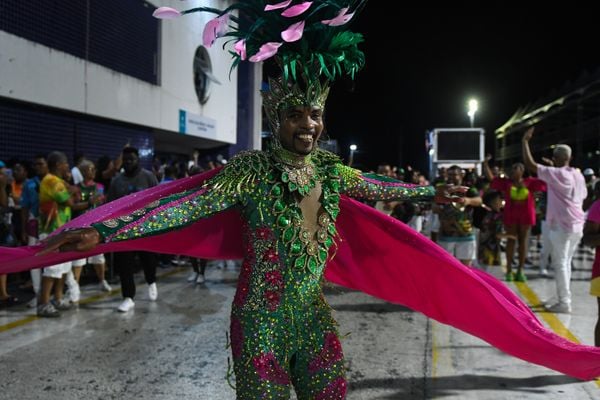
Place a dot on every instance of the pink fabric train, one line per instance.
(383, 258)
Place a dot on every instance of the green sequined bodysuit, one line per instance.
(282, 331)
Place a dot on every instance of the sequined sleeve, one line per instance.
(174, 212)
(375, 187)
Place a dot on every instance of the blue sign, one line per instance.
(197, 125)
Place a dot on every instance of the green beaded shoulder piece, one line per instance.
(242, 172)
(324, 158)
(350, 176)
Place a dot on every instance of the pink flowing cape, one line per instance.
(377, 255)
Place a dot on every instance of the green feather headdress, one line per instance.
(308, 41)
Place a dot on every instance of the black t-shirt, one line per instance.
(122, 185)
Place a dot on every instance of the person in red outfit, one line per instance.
(519, 211)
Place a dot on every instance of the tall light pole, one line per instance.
(353, 148)
(473, 106)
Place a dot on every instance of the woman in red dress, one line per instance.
(519, 212)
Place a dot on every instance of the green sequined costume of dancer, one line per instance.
(282, 331)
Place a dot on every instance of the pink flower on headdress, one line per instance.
(294, 32)
(166, 13)
(267, 50)
(214, 29)
(240, 48)
(339, 19)
(283, 4)
(296, 10)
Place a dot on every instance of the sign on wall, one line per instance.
(197, 125)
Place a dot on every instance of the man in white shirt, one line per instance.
(564, 214)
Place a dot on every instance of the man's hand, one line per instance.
(450, 194)
(528, 134)
(82, 239)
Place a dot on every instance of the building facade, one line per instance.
(570, 116)
(87, 77)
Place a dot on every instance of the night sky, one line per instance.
(505, 57)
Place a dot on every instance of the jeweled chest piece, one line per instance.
(297, 171)
(300, 176)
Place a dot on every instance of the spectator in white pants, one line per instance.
(92, 193)
(36, 276)
(546, 248)
(53, 280)
(99, 263)
(56, 201)
(564, 214)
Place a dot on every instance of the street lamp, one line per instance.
(473, 106)
(353, 148)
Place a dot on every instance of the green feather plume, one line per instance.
(324, 51)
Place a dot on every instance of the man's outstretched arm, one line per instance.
(160, 216)
(378, 187)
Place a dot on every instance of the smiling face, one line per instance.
(300, 129)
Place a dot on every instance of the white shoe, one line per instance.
(32, 303)
(62, 305)
(47, 311)
(126, 305)
(200, 278)
(74, 294)
(193, 276)
(70, 280)
(152, 291)
(543, 272)
(178, 261)
(560, 308)
(104, 286)
(550, 302)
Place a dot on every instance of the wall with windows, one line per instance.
(111, 59)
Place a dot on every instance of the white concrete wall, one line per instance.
(37, 74)
(257, 109)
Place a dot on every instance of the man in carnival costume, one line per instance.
(288, 211)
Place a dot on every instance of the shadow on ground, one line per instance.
(439, 387)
